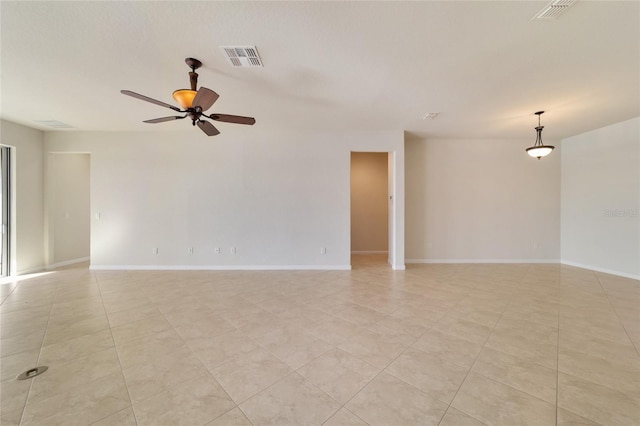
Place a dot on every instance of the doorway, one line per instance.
(5, 208)
(371, 209)
(68, 209)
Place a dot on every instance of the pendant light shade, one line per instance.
(539, 149)
(184, 97)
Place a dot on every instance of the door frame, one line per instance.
(395, 194)
(6, 180)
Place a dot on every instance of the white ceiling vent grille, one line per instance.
(242, 56)
(430, 116)
(54, 124)
(554, 9)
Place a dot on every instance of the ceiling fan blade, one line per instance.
(238, 119)
(205, 98)
(163, 119)
(208, 128)
(148, 99)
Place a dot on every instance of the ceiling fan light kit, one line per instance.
(193, 102)
(185, 96)
(539, 149)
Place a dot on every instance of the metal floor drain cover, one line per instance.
(33, 372)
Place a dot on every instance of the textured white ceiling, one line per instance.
(329, 66)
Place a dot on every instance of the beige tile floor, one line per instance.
(435, 344)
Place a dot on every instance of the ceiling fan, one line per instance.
(194, 103)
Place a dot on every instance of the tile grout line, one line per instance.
(135, 418)
(351, 412)
(293, 370)
(209, 373)
(24, 406)
(616, 312)
(296, 371)
(478, 355)
(44, 336)
(474, 291)
(40, 348)
(175, 350)
(18, 282)
(532, 362)
(383, 370)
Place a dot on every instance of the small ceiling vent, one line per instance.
(54, 124)
(430, 116)
(554, 9)
(242, 56)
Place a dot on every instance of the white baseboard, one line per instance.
(27, 271)
(309, 267)
(67, 263)
(603, 270)
(482, 260)
(220, 267)
(552, 261)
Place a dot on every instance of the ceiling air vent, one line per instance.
(430, 116)
(242, 56)
(55, 124)
(554, 9)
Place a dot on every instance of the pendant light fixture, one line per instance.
(539, 149)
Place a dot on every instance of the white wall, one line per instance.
(369, 202)
(277, 199)
(481, 201)
(67, 198)
(601, 199)
(28, 193)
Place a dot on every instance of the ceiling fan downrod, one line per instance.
(194, 64)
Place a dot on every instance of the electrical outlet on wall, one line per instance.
(217, 250)
(190, 250)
